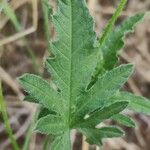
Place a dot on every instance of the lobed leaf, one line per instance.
(123, 120)
(99, 95)
(73, 52)
(50, 124)
(73, 63)
(136, 103)
(112, 44)
(95, 136)
(45, 112)
(41, 91)
(30, 98)
(115, 39)
(105, 113)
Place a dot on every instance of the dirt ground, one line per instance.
(15, 60)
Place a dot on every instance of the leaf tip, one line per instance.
(21, 78)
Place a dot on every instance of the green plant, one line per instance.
(87, 80)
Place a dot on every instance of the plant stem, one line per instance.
(112, 21)
(6, 121)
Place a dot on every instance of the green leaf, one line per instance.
(72, 65)
(112, 21)
(74, 52)
(30, 98)
(136, 103)
(44, 112)
(105, 113)
(123, 120)
(109, 49)
(72, 62)
(41, 91)
(101, 92)
(112, 44)
(95, 136)
(51, 124)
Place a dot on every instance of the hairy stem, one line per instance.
(6, 121)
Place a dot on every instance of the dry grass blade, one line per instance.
(15, 5)
(4, 76)
(9, 81)
(85, 145)
(26, 31)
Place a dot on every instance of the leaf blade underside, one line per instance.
(72, 66)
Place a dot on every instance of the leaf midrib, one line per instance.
(70, 78)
